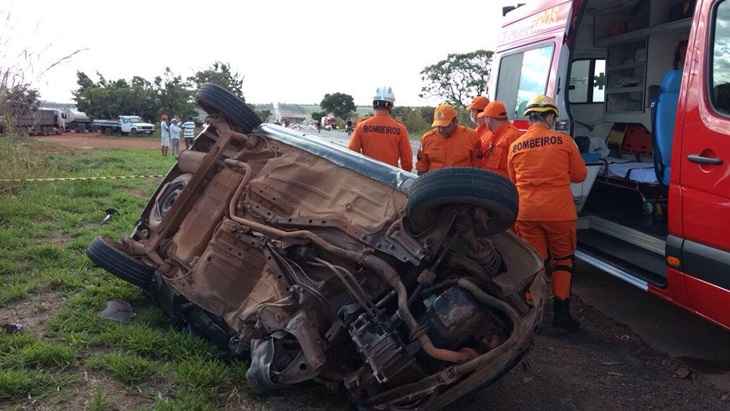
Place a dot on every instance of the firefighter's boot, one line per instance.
(561, 316)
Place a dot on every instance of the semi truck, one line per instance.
(39, 122)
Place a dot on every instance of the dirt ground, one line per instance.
(605, 366)
(32, 313)
(89, 141)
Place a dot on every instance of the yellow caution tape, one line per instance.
(50, 179)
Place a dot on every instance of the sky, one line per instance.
(288, 51)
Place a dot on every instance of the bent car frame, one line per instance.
(321, 264)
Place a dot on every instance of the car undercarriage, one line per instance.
(321, 264)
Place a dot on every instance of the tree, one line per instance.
(168, 93)
(263, 114)
(221, 74)
(458, 78)
(16, 101)
(175, 94)
(416, 119)
(317, 116)
(339, 104)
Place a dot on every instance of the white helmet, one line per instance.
(384, 93)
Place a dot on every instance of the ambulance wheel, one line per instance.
(215, 99)
(450, 187)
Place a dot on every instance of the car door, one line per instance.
(704, 161)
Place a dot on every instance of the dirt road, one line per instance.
(90, 141)
(606, 366)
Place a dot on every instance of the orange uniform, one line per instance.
(542, 163)
(495, 148)
(482, 132)
(383, 138)
(460, 149)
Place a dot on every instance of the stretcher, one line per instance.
(634, 172)
(637, 176)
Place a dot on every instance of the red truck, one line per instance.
(644, 88)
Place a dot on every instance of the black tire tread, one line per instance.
(120, 264)
(215, 99)
(462, 186)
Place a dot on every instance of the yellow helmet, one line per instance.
(541, 104)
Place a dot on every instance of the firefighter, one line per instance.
(542, 163)
(381, 136)
(447, 144)
(496, 143)
(475, 108)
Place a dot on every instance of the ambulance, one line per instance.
(644, 88)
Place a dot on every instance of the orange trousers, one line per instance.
(555, 242)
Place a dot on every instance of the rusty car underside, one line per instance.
(304, 257)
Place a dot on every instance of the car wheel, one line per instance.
(215, 99)
(166, 199)
(461, 186)
(133, 132)
(108, 257)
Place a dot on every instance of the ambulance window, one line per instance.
(533, 77)
(721, 59)
(523, 76)
(509, 80)
(587, 81)
(599, 81)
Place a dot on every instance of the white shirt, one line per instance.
(175, 131)
(164, 130)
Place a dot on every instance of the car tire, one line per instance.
(461, 186)
(108, 257)
(215, 99)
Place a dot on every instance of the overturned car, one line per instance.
(321, 264)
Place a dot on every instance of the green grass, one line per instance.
(11, 343)
(200, 374)
(45, 227)
(44, 231)
(21, 383)
(45, 355)
(99, 402)
(185, 402)
(127, 368)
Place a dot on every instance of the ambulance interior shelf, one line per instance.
(635, 35)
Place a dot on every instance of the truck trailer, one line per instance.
(39, 122)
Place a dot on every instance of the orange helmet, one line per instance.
(495, 109)
(478, 103)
